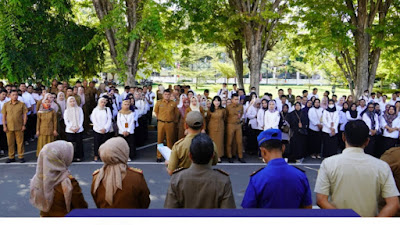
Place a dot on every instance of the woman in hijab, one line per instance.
(101, 118)
(315, 129)
(261, 114)
(81, 93)
(372, 120)
(342, 123)
(271, 116)
(73, 119)
(298, 122)
(61, 101)
(52, 189)
(160, 92)
(116, 185)
(391, 127)
(330, 122)
(126, 121)
(195, 106)
(183, 96)
(324, 102)
(352, 114)
(46, 126)
(308, 106)
(182, 113)
(285, 127)
(216, 124)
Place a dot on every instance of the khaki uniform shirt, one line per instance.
(392, 157)
(134, 194)
(14, 115)
(356, 180)
(234, 113)
(166, 111)
(46, 122)
(180, 154)
(78, 100)
(58, 207)
(200, 186)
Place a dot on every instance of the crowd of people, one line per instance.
(311, 125)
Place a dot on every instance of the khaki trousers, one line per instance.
(234, 132)
(165, 131)
(13, 136)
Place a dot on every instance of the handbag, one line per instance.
(284, 128)
(302, 130)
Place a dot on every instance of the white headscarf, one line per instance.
(72, 113)
(181, 100)
(115, 154)
(61, 103)
(51, 170)
(53, 105)
(82, 96)
(197, 106)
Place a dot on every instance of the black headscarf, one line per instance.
(353, 113)
(305, 109)
(343, 109)
(331, 109)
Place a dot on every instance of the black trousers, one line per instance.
(30, 128)
(131, 142)
(252, 145)
(150, 115)
(386, 143)
(314, 142)
(141, 132)
(3, 139)
(370, 149)
(330, 145)
(298, 145)
(342, 145)
(99, 139)
(77, 140)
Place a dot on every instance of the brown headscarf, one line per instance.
(114, 153)
(51, 170)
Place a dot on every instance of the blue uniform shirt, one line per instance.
(278, 186)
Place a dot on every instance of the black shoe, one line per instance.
(22, 160)
(10, 160)
(242, 160)
(158, 160)
(230, 160)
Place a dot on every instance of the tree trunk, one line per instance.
(362, 74)
(255, 62)
(235, 53)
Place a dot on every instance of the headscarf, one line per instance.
(43, 108)
(51, 170)
(370, 114)
(127, 111)
(324, 104)
(242, 97)
(353, 113)
(274, 108)
(181, 100)
(305, 109)
(53, 105)
(98, 103)
(61, 103)
(82, 96)
(161, 89)
(196, 107)
(115, 154)
(331, 109)
(72, 113)
(343, 109)
(182, 109)
(319, 103)
(389, 118)
(129, 97)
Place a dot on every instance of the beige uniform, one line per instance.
(234, 114)
(216, 128)
(199, 186)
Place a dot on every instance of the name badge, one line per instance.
(126, 125)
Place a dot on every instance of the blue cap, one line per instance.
(271, 134)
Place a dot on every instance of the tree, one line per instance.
(262, 27)
(39, 40)
(356, 32)
(134, 32)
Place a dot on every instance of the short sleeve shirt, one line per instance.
(14, 115)
(356, 180)
(278, 186)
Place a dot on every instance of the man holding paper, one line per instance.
(180, 151)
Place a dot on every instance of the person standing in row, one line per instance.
(167, 114)
(101, 118)
(116, 185)
(391, 127)
(184, 104)
(342, 123)
(314, 133)
(199, 186)
(126, 121)
(216, 118)
(14, 121)
(271, 116)
(299, 124)
(46, 126)
(372, 120)
(3, 137)
(234, 113)
(150, 97)
(330, 121)
(73, 119)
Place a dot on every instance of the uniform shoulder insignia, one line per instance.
(178, 170)
(299, 169)
(255, 172)
(96, 172)
(136, 170)
(223, 172)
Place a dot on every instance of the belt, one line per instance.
(165, 121)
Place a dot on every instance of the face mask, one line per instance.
(253, 91)
(331, 106)
(366, 93)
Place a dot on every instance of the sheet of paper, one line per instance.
(164, 150)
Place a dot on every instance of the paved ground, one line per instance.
(14, 177)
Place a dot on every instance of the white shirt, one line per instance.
(360, 109)
(124, 94)
(349, 118)
(393, 102)
(252, 117)
(28, 98)
(101, 119)
(129, 119)
(68, 124)
(382, 105)
(355, 180)
(315, 117)
(367, 120)
(260, 119)
(151, 97)
(395, 124)
(271, 120)
(365, 98)
(342, 120)
(140, 108)
(327, 119)
(280, 105)
(1, 107)
(230, 93)
(309, 96)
